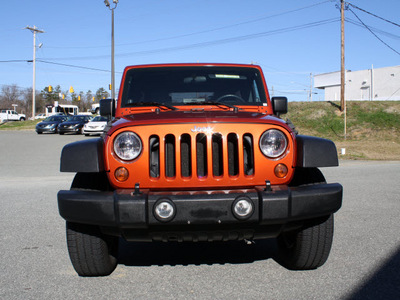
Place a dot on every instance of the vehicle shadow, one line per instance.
(383, 284)
(201, 253)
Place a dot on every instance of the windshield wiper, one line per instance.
(216, 103)
(160, 105)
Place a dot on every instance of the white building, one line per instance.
(381, 84)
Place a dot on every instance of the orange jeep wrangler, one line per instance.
(194, 153)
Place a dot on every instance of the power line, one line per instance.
(203, 31)
(54, 63)
(363, 10)
(232, 25)
(210, 43)
(73, 66)
(369, 29)
(388, 34)
(15, 60)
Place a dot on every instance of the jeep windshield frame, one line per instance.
(202, 85)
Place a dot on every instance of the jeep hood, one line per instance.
(196, 117)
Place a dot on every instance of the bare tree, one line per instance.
(10, 95)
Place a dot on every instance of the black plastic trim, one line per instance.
(83, 156)
(315, 152)
(125, 209)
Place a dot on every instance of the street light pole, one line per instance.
(107, 3)
(34, 30)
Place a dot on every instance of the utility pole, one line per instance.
(34, 30)
(343, 70)
(311, 92)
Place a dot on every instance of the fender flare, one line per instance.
(315, 152)
(83, 156)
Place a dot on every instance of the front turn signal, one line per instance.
(281, 170)
(121, 174)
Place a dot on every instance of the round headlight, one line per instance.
(127, 145)
(273, 143)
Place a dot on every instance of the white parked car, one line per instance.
(95, 126)
(40, 116)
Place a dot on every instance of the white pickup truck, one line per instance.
(11, 115)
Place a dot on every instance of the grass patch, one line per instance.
(373, 127)
(19, 125)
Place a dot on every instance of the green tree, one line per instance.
(49, 95)
(89, 97)
(101, 93)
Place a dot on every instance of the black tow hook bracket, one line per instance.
(137, 189)
(268, 186)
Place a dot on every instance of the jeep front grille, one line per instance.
(200, 155)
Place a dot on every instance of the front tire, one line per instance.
(308, 248)
(91, 252)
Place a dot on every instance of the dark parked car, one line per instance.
(50, 124)
(73, 124)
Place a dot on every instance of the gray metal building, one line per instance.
(382, 84)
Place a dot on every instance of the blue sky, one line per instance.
(289, 39)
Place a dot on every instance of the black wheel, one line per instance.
(61, 133)
(307, 176)
(91, 252)
(308, 248)
(91, 182)
(38, 132)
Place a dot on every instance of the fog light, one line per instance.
(164, 210)
(121, 174)
(242, 208)
(281, 170)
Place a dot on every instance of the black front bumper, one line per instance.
(129, 211)
(44, 130)
(74, 129)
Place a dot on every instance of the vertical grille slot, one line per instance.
(170, 169)
(201, 155)
(186, 155)
(248, 154)
(217, 155)
(233, 154)
(154, 156)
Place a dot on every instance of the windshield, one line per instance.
(55, 119)
(100, 119)
(193, 85)
(78, 119)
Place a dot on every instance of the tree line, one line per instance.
(13, 94)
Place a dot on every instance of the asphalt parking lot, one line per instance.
(364, 262)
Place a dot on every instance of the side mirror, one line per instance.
(279, 105)
(107, 108)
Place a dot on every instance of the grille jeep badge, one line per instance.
(207, 129)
